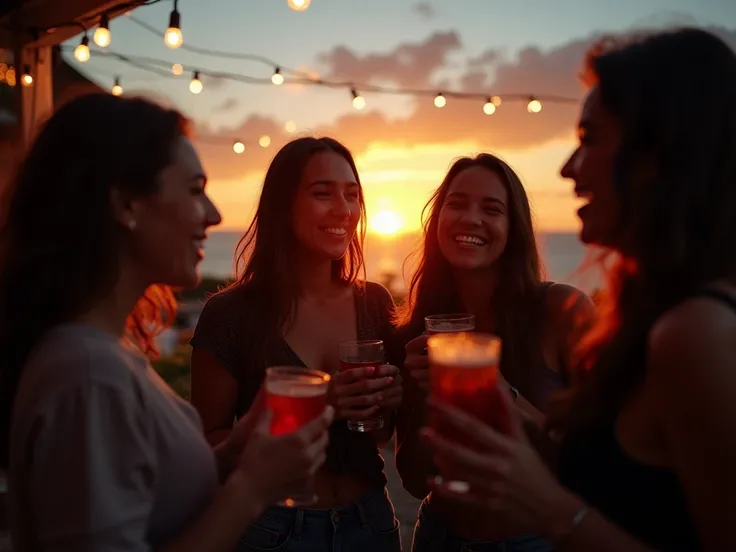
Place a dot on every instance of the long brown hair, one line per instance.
(59, 240)
(265, 256)
(682, 220)
(433, 289)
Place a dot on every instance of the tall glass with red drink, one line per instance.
(296, 396)
(464, 373)
(359, 354)
(443, 323)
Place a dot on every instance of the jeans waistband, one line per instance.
(362, 510)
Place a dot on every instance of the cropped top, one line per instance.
(219, 333)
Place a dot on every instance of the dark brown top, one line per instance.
(219, 333)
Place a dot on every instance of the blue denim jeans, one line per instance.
(430, 535)
(366, 525)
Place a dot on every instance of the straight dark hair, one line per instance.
(683, 221)
(265, 256)
(433, 289)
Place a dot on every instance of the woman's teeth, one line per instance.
(340, 232)
(472, 240)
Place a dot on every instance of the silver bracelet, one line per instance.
(576, 521)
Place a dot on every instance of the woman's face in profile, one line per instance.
(167, 242)
(327, 206)
(591, 168)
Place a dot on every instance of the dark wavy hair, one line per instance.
(265, 256)
(682, 220)
(433, 290)
(59, 240)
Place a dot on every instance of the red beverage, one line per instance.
(361, 354)
(464, 374)
(294, 405)
(296, 396)
(448, 323)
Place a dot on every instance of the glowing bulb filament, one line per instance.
(173, 37)
(277, 78)
(195, 87)
(81, 52)
(440, 101)
(102, 37)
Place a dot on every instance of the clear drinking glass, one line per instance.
(296, 396)
(359, 354)
(443, 323)
(464, 368)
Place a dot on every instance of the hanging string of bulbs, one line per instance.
(174, 39)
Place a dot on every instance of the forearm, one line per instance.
(593, 532)
(413, 460)
(217, 528)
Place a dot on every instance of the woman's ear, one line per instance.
(125, 209)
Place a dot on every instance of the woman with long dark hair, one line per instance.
(480, 257)
(299, 294)
(647, 461)
(103, 455)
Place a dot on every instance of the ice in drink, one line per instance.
(362, 354)
(448, 323)
(296, 396)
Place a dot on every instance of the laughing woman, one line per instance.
(480, 257)
(297, 297)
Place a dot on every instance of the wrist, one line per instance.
(563, 517)
(247, 495)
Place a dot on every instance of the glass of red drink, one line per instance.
(443, 323)
(296, 396)
(359, 354)
(464, 373)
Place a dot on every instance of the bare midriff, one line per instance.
(337, 490)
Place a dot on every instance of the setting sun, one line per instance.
(386, 223)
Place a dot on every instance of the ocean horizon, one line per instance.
(562, 254)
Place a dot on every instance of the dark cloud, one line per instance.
(226, 105)
(425, 10)
(551, 72)
(409, 64)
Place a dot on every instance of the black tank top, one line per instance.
(648, 502)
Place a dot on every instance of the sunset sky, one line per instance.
(403, 144)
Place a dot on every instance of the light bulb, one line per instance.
(534, 106)
(26, 79)
(117, 90)
(195, 87)
(177, 69)
(81, 52)
(358, 100)
(489, 108)
(264, 141)
(173, 37)
(10, 76)
(440, 101)
(102, 35)
(290, 127)
(238, 147)
(298, 5)
(277, 78)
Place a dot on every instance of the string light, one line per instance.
(238, 147)
(489, 108)
(299, 5)
(264, 141)
(195, 87)
(173, 37)
(177, 69)
(439, 100)
(496, 100)
(26, 79)
(10, 76)
(290, 127)
(102, 36)
(358, 100)
(117, 90)
(277, 78)
(534, 106)
(81, 53)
